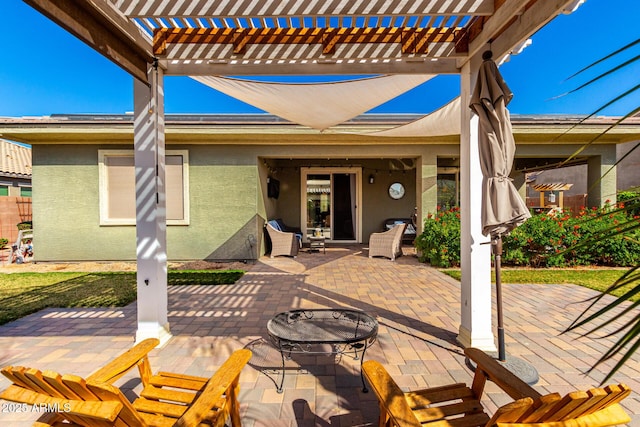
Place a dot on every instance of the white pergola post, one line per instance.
(151, 225)
(475, 324)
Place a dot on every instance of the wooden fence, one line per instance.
(571, 203)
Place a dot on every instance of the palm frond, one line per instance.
(600, 135)
(632, 325)
(601, 76)
(629, 277)
(613, 314)
(611, 55)
(613, 351)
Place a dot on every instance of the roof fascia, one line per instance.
(101, 27)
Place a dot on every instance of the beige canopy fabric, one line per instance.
(441, 122)
(317, 105)
(502, 207)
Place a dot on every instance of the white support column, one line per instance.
(151, 224)
(475, 299)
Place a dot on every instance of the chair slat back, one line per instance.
(541, 406)
(128, 416)
(75, 400)
(37, 378)
(594, 408)
(54, 379)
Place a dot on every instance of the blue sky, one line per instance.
(45, 70)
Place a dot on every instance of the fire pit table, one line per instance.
(301, 331)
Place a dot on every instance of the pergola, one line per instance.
(151, 39)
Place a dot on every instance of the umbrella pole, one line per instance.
(497, 251)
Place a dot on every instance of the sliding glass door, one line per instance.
(331, 203)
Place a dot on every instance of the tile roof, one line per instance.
(15, 160)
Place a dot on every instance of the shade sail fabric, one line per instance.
(443, 121)
(317, 105)
(502, 207)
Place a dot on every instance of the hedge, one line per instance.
(608, 236)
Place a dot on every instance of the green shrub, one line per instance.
(203, 277)
(26, 225)
(539, 242)
(439, 243)
(630, 202)
(3, 242)
(590, 238)
(598, 236)
(607, 237)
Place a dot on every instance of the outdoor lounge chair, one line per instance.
(166, 399)
(387, 244)
(279, 225)
(282, 243)
(459, 405)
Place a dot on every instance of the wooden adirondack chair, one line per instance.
(166, 399)
(458, 405)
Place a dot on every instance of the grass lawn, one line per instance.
(25, 293)
(598, 279)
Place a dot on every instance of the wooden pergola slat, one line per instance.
(413, 41)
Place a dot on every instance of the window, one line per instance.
(117, 187)
(4, 190)
(448, 190)
(25, 191)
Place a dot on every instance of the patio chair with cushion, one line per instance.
(460, 405)
(387, 244)
(409, 232)
(282, 243)
(166, 399)
(279, 225)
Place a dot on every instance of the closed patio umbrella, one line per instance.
(502, 207)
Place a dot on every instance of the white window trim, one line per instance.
(103, 198)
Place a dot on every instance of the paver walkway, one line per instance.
(417, 308)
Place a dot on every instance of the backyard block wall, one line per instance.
(13, 210)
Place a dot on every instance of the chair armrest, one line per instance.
(391, 398)
(226, 377)
(136, 356)
(490, 368)
(381, 234)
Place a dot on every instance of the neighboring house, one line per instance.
(15, 169)
(228, 174)
(628, 173)
(15, 187)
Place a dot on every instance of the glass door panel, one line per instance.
(330, 203)
(318, 199)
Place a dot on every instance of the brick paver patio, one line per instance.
(416, 306)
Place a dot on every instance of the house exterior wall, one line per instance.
(66, 207)
(629, 166)
(227, 196)
(223, 197)
(601, 172)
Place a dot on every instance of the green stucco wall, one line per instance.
(227, 197)
(223, 199)
(66, 208)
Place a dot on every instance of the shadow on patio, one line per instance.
(416, 306)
